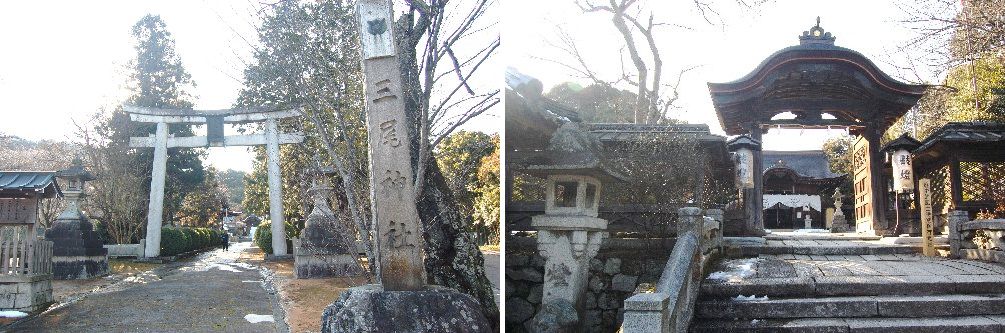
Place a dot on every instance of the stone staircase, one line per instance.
(890, 292)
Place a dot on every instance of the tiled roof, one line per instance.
(809, 163)
(39, 181)
(970, 132)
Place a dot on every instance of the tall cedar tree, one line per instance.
(157, 79)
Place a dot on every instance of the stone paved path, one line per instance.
(212, 292)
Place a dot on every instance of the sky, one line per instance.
(62, 61)
(719, 52)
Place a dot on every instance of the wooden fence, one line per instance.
(24, 257)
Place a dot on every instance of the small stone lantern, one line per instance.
(77, 252)
(569, 233)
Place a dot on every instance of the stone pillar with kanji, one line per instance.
(402, 301)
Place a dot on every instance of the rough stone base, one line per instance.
(371, 309)
(28, 294)
(840, 224)
(79, 267)
(316, 266)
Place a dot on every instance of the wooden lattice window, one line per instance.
(984, 182)
(941, 189)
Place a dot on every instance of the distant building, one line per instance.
(798, 184)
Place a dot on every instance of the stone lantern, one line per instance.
(569, 233)
(78, 252)
(324, 248)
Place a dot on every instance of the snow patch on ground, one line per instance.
(811, 231)
(12, 314)
(736, 270)
(254, 318)
(742, 298)
(242, 265)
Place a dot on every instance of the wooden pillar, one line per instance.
(754, 198)
(878, 190)
(956, 182)
(275, 188)
(155, 210)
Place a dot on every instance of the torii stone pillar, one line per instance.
(214, 120)
(155, 211)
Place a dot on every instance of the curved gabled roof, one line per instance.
(810, 79)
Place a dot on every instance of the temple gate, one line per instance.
(824, 86)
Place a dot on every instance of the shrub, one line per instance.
(179, 240)
(263, 235)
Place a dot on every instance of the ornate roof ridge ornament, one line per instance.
(816, 36)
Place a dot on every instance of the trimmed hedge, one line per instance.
(263, 236)
(180, 240)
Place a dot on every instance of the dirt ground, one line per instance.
(302, 300)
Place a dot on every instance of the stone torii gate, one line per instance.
(214, 120)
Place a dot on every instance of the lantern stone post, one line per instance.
(569, 233)
(77, 252)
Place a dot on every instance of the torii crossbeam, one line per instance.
(214, 120)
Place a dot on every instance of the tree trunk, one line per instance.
(452, 256)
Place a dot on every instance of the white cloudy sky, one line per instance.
(60, 61)
(722, 52)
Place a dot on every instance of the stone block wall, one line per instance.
(615, 272)
(28, 294)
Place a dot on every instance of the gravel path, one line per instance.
(212, 292)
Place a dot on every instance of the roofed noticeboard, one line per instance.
(17, 211)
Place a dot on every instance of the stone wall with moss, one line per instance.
(619, 267)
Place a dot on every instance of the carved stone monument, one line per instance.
(402, 302)
(77, 251)
(840, 224)
(325, 248)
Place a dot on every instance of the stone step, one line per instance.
(823, 236)
(754, 250)
(855, 286)
(863, 325)
(855, 307)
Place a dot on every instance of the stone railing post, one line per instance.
(689, 219)
(954, 220)
(719, 216)
(669, 307)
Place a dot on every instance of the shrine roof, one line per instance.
(19, 183)
(968, 141)
(806, 163)
(810, 80)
